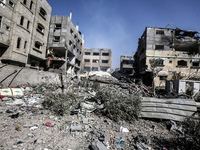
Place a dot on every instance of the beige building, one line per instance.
(96, 59)
(178, 51)
(24, 28)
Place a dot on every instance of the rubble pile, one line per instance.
(85, 115)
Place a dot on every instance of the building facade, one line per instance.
(177, 50)
(24, 28)
(94, 59)
(65, 45)
(126, 65)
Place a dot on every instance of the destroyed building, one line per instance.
(96, 59)
(65, 45)
(126, 65)
(176, 49)
(24, 28)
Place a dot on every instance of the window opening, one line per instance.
(40, 28)
(95, 60)
(18, 42)
(104, 61)
(11, 3)
(87, 60)
(58, 26)
(31, 5)
(87, 53)
(105, 54)
(42, 13)
(96, 54)
(22, 20)
(182, 63)
(25, 2)
(70, 42)
(38, 45)
(161, 32)
(28, 23)
(56, 38)
(25, 44)
(159, 47)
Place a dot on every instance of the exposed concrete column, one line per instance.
(65, 64)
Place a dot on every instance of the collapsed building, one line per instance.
(96, 59)
(65, 45)
(178, 53)
(24, 28)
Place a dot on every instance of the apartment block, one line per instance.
(126, 65)
(65, 45)
(24, 27)
(96, 59)
(177, 50)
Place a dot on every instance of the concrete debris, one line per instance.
(91, 115)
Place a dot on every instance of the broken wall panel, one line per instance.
(172, 109)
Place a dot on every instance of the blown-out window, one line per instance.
(43, 13)
(56, 39)
(40, 28)
(38, 45)
(159, 47)
(182, 63)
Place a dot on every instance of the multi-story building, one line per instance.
(24, 27)
(96, 59)
(126, 65)
(177, 50)
(65, 44)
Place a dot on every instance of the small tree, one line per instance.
(154, 66)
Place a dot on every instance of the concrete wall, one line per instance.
(26, 76)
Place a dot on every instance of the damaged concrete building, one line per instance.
(96, 59)
(178, 51)
(65, 45)
(126, 65)
(24, 28)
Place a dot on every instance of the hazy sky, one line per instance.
(117, 24)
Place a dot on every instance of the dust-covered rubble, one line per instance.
(83, 117)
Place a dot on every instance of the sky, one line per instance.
(118, 24)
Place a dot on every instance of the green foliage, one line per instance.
(119, 106)
(59, 103)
